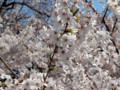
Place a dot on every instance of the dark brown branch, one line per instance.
(116, 64)
(25, 4)
(91, 6)
(105, 13)
(35, 9)
(50, 62)
(115, 46)
(114, 24)
(4, 3)
(103, 20)
(65, 31)
(93, 9)
(8, 67)
(90, 79)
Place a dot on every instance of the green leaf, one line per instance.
(77, 18)
(54, 69)
(71, 10)
(70, 30)
(61, 35)
(3, 83)
(75, 12)
(43, 87)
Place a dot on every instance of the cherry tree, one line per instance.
(59, 45)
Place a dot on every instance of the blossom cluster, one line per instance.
(114, 6)
(77, 52)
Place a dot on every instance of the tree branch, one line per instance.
(103, 20)
(114, 24)
(8, 67)
(91, 6)
(25, 4)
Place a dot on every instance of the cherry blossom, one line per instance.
(79, 51)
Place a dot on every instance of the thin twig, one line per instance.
(8, 67)
(91, 6)
(103, 20)
(116, 64)
(115, 46)
(90, 79)
(50, 62)
(114, 24)
(25, 4)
